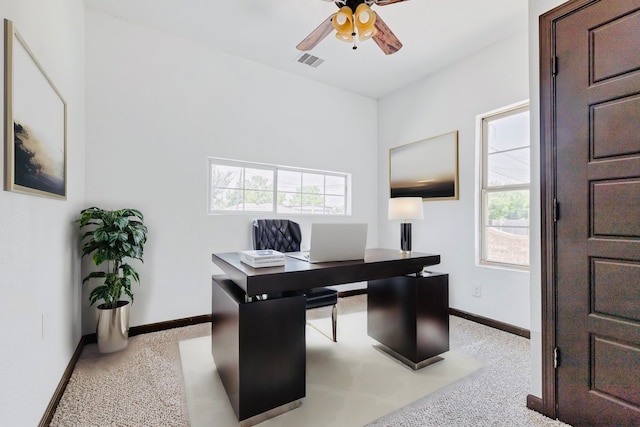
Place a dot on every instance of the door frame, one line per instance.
(547, 405)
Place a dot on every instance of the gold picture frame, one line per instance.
(35, 123)
(426, 168)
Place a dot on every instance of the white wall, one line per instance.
(39, 267)
(536, 8)
(158, 105)
(451, 100)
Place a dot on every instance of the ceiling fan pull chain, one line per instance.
(353, 34)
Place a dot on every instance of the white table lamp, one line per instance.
(405, 209)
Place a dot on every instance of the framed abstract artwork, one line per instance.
(426, 168)
(35, 123)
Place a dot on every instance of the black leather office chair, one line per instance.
(285, 236)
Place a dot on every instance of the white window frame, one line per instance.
(484, 189)
(274, 169)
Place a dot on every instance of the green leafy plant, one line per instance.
(112, 236)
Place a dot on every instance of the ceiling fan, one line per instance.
(355, 18)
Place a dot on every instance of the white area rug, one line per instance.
(349, 383)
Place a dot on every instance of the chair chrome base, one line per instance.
(334, 324)
(413, 365)
(271, 413)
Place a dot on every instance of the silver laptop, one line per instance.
(335, 242)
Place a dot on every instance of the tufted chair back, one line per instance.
(284, 235)
(278, 234)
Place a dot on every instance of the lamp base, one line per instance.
(405, 237)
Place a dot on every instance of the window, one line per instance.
(504, 195)
(254, 187)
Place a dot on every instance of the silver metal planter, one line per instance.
(112, 327)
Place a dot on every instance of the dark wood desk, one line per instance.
(259, 344)
(297, 274)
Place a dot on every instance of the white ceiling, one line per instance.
(435, 33)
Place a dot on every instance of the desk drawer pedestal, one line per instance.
(409, 316)
(259, 350)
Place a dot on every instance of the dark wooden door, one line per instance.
(597, 134)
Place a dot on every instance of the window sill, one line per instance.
(508, 267)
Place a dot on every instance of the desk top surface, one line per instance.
(297, 274)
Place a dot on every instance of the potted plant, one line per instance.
(111, 238)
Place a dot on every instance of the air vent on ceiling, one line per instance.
(310, 60)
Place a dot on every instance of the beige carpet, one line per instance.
(138, 386)
(349, 383)
(494, 396)
(143, 384)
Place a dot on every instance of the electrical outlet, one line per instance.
(477, 290)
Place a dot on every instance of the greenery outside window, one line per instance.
(505, 192)
(236, 186)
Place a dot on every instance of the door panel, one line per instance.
(616, 288)
(616, 121)
(611, 58)
(611, 382)
(615, 208)
(597, 143)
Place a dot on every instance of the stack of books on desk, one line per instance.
(262, 258)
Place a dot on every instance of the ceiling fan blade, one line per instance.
(385, 39)
(386, 2)
(316, 35)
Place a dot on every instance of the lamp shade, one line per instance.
(365, 22)
(343, 23)
(405, 208)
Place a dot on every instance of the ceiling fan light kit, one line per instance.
(355, 17)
